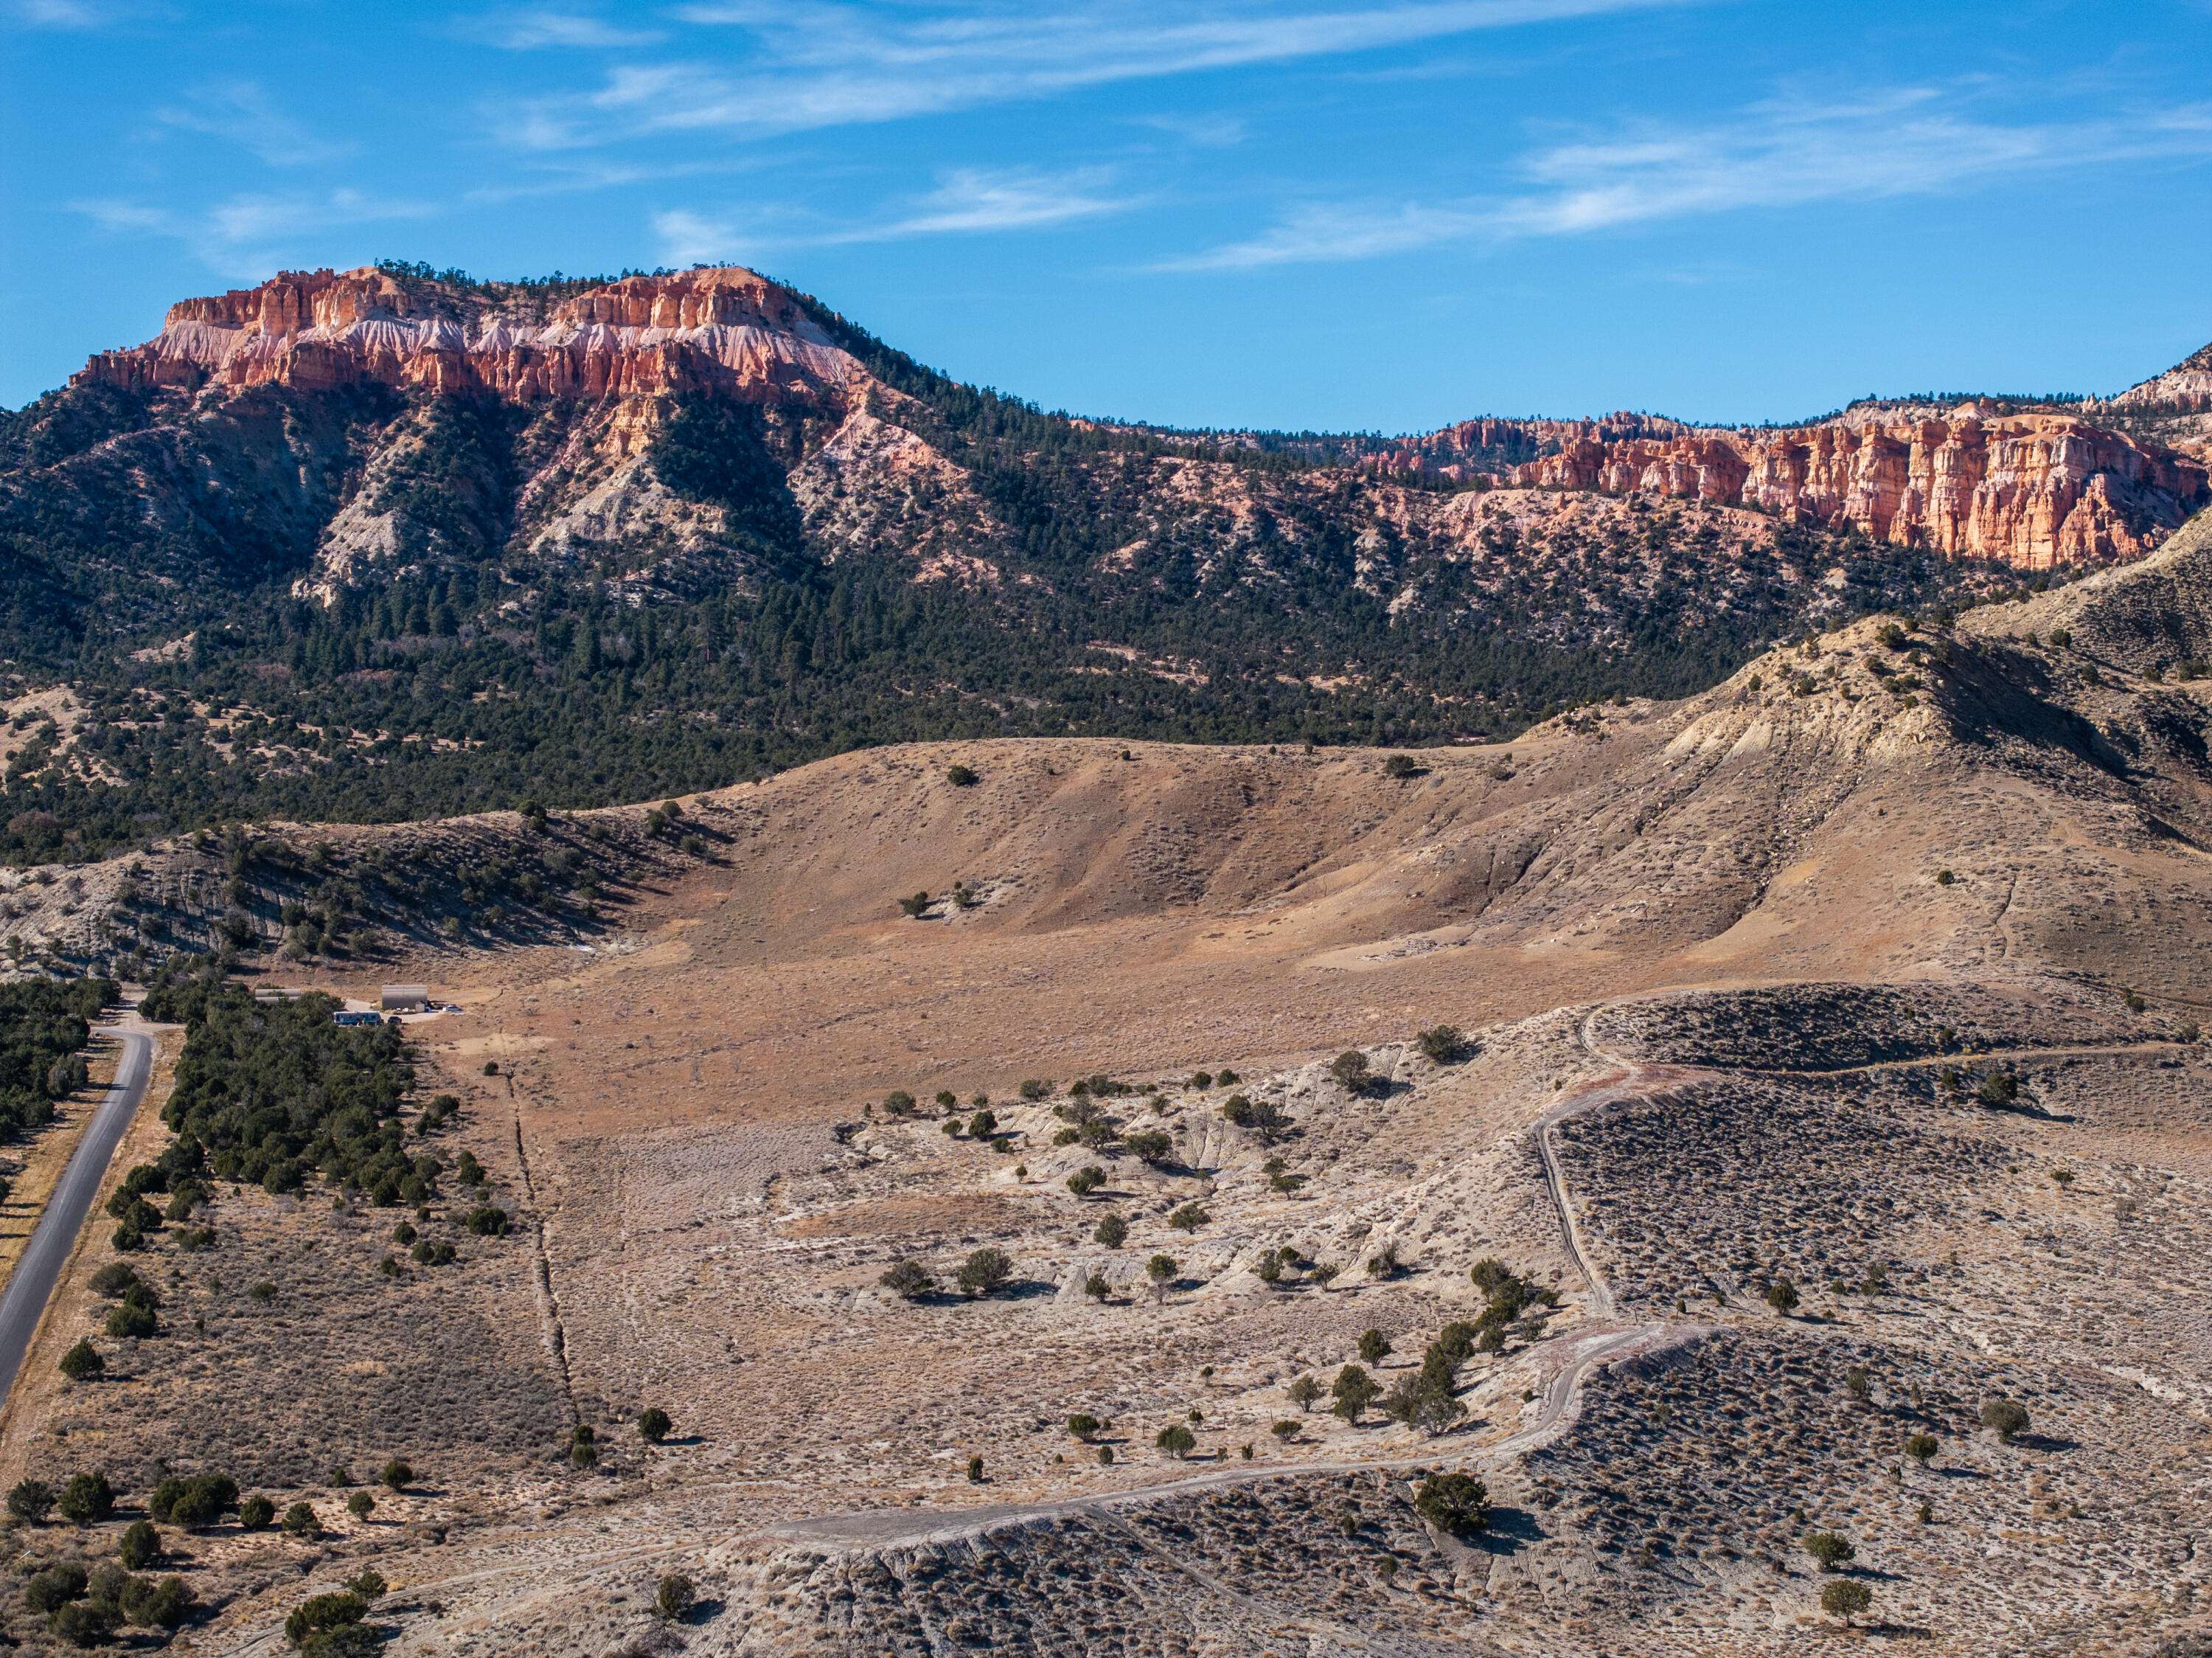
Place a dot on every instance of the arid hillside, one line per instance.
(1714, 1126)
(1878, 801)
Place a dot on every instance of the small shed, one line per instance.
(404, 998)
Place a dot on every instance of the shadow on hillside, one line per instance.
(1511, 1530)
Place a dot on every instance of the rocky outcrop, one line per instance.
(724, 330)
(875, 485)
(2184, 388)
(2034, 489)
(1490, 447)
(2047, 485)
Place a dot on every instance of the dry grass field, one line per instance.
(1883, 995)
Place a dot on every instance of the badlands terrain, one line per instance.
(1720, 1126)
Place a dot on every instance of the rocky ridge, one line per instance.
(2186, 386)
(324, 402)
(2036, 488)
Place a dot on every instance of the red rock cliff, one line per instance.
(2033, 490)
(727, 330)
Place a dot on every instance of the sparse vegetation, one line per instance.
(1162, 1271)
(87, 1499)
(2007, 1419)
(1846, 1598)
(674, 1596)
(324, 1612)
(82, 1362)
(198, 1501)
(1779, 1135)
(1455, 1503)
(1442, 1045)
(985, 1272)
(1830, 1551)
(30, 1502)
(1353, 1392)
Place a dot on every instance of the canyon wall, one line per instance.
(2031, 490)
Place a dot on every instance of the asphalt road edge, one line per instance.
(86, 1172)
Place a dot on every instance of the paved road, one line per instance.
(50, 1246)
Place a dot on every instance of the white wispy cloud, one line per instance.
(689, 238)
(970, 199)
(809, 66)
(561, 176)
(246, 236)
(243, 113)
(967, 201)
(545, 28)
(1311, 234)
(127, 216)
(1208, 132)
(66, 13)
(1794, 153)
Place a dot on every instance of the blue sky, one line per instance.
(1215, 212)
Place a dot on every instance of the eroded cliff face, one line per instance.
(2031, 490)
(726, 331)
(2047, 486)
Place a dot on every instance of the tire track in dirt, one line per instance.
(552, 1332)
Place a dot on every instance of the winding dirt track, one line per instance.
(1579, 1355)
(903, 1529)
(1581, 1352)
(1575, 1355)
